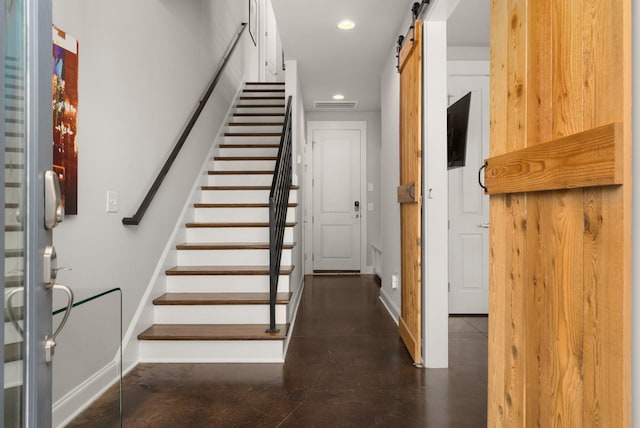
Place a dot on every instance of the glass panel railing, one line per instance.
(84, 355)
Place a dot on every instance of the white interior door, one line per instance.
(271, 44)
(337, 208)
(469, 206)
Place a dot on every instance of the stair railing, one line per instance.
(278, 204)
(137, 217)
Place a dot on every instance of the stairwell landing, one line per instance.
(216, 305)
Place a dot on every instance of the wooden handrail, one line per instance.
(137, 217)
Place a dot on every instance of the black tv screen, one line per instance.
(457, 122)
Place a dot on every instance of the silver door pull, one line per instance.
(484, 225)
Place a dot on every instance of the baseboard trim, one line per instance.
(297, 301)
(391, 307)
(78, 399)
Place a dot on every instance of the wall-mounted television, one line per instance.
(457, 123)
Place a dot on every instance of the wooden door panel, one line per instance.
(410, 67)
(559, 333)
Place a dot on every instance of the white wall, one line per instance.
(389, 181)
(293, 88)
(635, 397)
(373, 168)
(143, 66)
(468, 53)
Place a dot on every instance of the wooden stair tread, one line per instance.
(212, 332)
(231, 246)
(222, 225)
(259, 105)
(258, 205)
(294, 187)
(258, 114)
(240, 172)
(249, 146)
(252, 134)
(250, 91)
(185, 299)
(268, 97)
(246, 158)
(225, 270)
(256, 124)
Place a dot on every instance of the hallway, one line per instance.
(346, 367)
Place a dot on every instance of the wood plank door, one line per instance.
(560, 183)
(409, 192)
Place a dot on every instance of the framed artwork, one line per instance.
(65, 117)
(253, 20)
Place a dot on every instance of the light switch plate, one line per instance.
(112, 201)
(370, 206)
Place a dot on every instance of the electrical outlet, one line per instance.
(394, 281)
(370, 206)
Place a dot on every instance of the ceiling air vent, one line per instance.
(335, 105)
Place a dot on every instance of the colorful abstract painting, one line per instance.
(65, 117)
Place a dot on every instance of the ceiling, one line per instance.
(332, 61)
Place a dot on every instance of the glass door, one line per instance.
(25, 129)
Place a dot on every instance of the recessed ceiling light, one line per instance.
(347, 24)
(338, 97)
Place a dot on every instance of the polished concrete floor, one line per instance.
(346, 367)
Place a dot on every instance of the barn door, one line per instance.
(409, 192)
(560, 210)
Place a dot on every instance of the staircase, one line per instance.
(216, 305)
(14, 235)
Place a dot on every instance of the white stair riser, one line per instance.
(197, 235)
(11, 216)
(13, 266)
(263, 87)
(13, 175)
(218, 314)
(240, 215)
(212, 351)
(252, 140)
(259, 110)
(13, 374)
(252, 151)
(12, 194)
(228, 257)
(239, 179)
(279, 118)
(17, 141)
(262, 101)
(14, 239)
(276, 127)
(14, 158)
(224, 283)
(239, 196)
(244, 165)
(10, 333)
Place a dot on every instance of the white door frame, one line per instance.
(308, 195)
(470, 68)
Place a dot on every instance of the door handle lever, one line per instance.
(484, 225)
